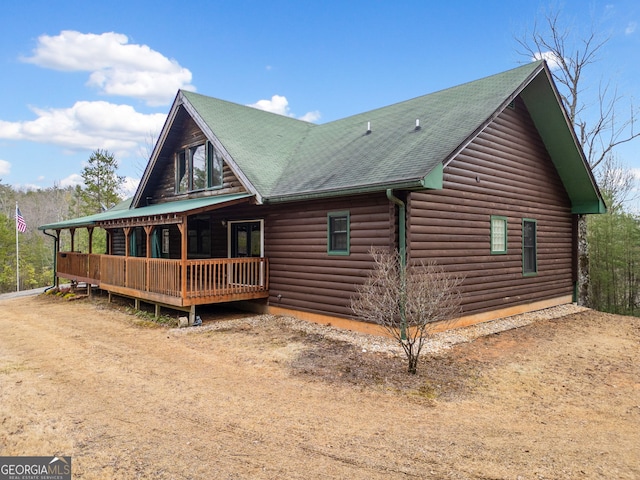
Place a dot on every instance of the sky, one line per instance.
(77, 76)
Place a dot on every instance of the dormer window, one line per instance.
(198, 167)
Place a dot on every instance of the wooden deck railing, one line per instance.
(207, 281)
(226, 276)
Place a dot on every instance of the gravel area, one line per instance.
(373, 343)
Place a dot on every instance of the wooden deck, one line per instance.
(171, 282)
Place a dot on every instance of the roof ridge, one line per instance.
(188, 93)
(532, 66)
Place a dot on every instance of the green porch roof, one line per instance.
(288, 159)
(122, 211)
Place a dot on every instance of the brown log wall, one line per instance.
(505, 171)
(301, 270)
(190, 134)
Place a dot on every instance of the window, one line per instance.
(165, 241)
(529, 247)
(245, 239)
(197, 168)
(338, 233)
(199, 236)
(199, 164)
(498, 235)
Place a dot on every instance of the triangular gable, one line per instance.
(552, 122)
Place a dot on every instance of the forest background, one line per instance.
(609, 243)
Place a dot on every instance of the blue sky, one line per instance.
(78, 76)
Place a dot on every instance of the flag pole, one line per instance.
(17, 253)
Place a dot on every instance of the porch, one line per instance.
(177, 283)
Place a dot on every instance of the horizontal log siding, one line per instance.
(301, 270)
(516, 180)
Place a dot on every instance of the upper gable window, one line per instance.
(198, 167)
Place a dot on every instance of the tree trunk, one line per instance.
(583, 263)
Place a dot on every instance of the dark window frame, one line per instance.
(199, 229)
(529, 247)
(185, 182)
(339, 233)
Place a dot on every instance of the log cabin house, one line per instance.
(241, 205)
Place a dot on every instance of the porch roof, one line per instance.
(123, 212)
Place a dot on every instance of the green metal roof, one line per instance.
(122, 211)
(287, 159)
(259, 142)
(342, 155)
(279, 158)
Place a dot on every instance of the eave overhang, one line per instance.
(431, 181)
(550, 118)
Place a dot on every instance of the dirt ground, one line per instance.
(558, 399)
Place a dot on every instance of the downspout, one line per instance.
(55, 260)
(401, 226)
(402, 234)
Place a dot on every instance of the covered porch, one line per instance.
(163, 254)
(179, 283)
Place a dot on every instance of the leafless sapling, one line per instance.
(406, 300)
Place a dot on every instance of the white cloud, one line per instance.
(5, 167)
(311, 116)
(631, 28)
(280, 105)
(129, 187)
(552, 59)
(87, 126)
(71, 181)
(117, 67)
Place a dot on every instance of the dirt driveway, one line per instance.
(558, 399)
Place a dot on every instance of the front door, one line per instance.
(246, 239)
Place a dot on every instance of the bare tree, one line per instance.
(617, 183)
(407, 300)
(597, 120)
(569, 58)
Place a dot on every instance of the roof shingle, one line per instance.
(284, 157)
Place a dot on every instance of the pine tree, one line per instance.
(101, 183)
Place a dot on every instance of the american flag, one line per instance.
(21, 225)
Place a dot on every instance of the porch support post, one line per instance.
(192, 315)
(127, 252)
(183, 257)
(127, 246)
(148, 230)
(72, 232)
(55, 267)
(90, 230)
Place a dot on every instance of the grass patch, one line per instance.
(149, 320)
